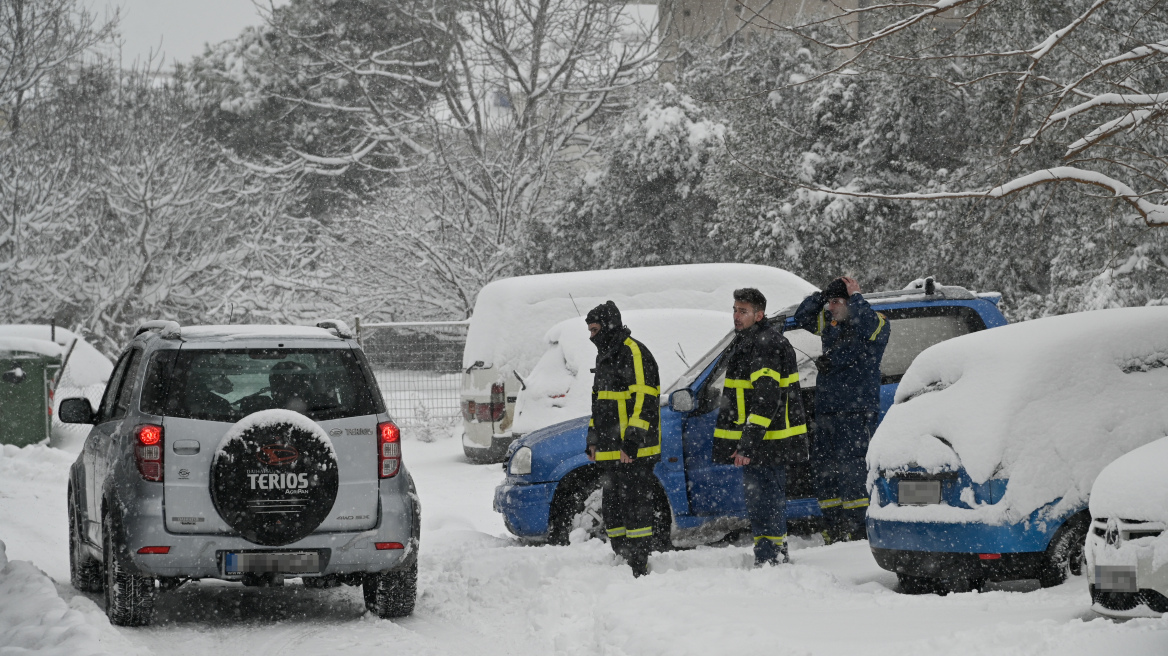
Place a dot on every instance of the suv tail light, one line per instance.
(148, 452)
(468, 409)
(498, 402)
(388, 449)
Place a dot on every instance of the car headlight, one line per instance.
(521, 462)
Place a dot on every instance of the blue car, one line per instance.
(552, 490)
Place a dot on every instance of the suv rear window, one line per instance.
(228, 385)
(916, 329)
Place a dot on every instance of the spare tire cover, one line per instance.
(274, 477)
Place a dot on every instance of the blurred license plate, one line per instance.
(918, 493)
(1115, 578)
(289, 562)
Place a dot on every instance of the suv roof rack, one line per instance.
(928, 289)
(336, 327)
(166, 329)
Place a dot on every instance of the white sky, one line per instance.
(178, 28)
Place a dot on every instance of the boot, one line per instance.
(639, 562)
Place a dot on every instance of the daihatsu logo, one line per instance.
(277, 454)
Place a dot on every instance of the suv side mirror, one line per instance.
(682, 400)
(75, 411)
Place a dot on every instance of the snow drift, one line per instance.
(1045, 404)
(559, 387)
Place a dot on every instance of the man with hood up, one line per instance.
(624, 434)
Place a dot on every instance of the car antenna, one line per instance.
(574, 304)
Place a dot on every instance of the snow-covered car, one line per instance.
(559, 388)
(241, 453)
(983, 467)
(1127, 546)
(511, 317)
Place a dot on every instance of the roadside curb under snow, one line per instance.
(34, 619)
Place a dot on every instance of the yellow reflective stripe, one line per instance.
(609, 395)
(638, 365)
(819, 330)
(649, 450)
(607, 455)
(777, 539)
(639, 388)
(765, 371)
(789, 380)
(639, 423)
(646, 532)
(645, 389)
(857, 503)
(618, 532)
(785, 433)
(879, 327)
(737, 382)
(591, 424)
(759, 420)
(728, 434)
(830, 503)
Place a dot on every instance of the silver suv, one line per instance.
(243, 453)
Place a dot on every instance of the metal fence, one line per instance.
(418, 366)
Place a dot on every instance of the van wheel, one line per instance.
(579, 504)
(84, 570)
(129, 597)
(391, 594)
(1064, 554)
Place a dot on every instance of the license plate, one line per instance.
(918, 493)
(1115, 578)
(288, 562)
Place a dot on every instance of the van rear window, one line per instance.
(227, 385)
(916, 329)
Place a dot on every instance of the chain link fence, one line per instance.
(418, 366)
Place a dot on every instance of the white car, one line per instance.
(1127, 546)
(511, 317)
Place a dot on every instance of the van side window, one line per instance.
(106, 409)
(129, 381)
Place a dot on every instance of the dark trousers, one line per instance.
(765, 487)
(838, 452)
(628, 508)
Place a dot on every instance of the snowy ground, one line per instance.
(483, 593)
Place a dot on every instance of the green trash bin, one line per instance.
(27, 367)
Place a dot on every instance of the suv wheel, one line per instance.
(1065, 552)
(392, 594)
(84, 570)
(578, 506)
(129, 597)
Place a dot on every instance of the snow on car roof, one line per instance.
(512, 315)
(29, 345)
(86, 366)
(560, 386)
(1134, 485)
(255, 331)
(1045, 403)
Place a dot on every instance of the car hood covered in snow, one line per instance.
(560, 385)
(1046, 404)
(1134, 486)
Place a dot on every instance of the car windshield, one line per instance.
(227, 385)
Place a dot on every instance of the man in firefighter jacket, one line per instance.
(761, 426)
(624, 434)
(847, 401)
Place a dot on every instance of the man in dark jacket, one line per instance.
(761, 426)
(624, 434)
(847, 400)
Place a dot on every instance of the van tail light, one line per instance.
(468, 409)
(384, 546)
(498, 402)
(154, 550)
(388, 449)
(148, 452)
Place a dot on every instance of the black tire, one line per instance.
(391, 594)
(1064, 554)
(320, 582)
(84, 570)
(576, 504)
(288, 465)
(129, 596)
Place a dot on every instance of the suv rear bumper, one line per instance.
(198, 555)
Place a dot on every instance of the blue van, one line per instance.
(551, 489)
